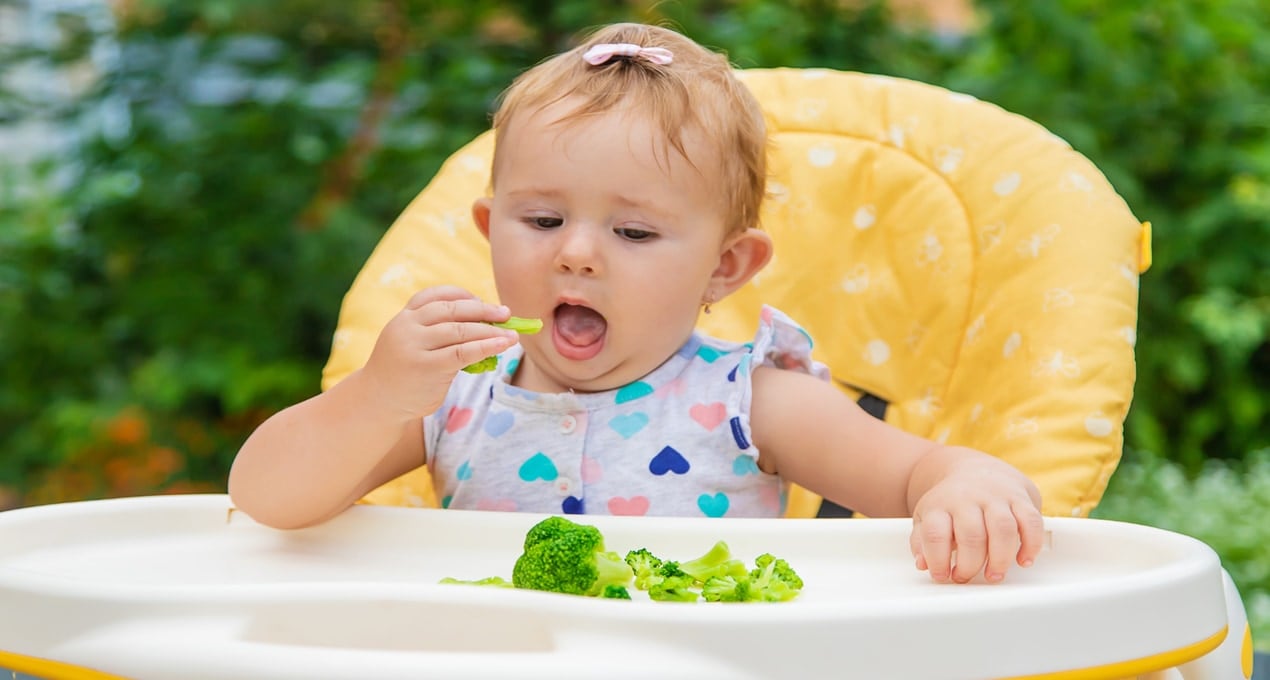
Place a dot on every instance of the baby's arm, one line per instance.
(812, 434)
(312, 460)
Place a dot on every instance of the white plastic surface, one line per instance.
(1227, 661)
(181, 587)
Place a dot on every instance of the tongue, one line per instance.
(579, 326)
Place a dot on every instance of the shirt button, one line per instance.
(564, 486)
(568, 424)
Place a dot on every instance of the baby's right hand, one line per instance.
(420, 350)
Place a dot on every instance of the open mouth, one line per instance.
(578, 332)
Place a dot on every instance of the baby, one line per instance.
(626, 187)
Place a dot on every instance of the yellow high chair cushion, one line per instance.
(956, 261)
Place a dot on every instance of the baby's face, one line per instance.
(607, 235)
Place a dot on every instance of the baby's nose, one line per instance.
(579, 252)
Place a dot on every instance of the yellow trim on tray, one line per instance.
(50, 670)
(1130, 669)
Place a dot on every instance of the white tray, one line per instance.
(181, 587)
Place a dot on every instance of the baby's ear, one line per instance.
(743, 256)
(481, 208)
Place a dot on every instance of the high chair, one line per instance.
(967, 276)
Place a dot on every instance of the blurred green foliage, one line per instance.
(172, 276)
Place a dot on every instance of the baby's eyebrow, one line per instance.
(651, 209)
(624, 200)
(535, 192)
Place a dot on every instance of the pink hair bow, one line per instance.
(603, 52)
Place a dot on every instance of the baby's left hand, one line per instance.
(984, 511)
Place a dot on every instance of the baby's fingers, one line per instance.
(1031, 532)
(915, 546)
(1004, 540)
(437, 294)
(972, 540)
(443, 304)
(932, 544)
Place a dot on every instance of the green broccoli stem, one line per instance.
(496, 581)
(516, 323)
(717, 561)
(611, 570)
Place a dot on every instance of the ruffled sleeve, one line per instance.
(782, 343)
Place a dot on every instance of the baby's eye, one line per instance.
(631, 234)
(544, 222)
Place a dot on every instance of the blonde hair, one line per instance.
(698, 92)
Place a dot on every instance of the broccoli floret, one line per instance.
(664, 570)
(773, 580)
(561, 556)
(549, 530)
(671, 584)
(651, 571)
(674, 589)
(717, 561)
(727, 589)
(616, 592)
(779, 569)
(644, 564)
(670, 569)
(497, 581)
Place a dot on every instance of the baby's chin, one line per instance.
(550, 372)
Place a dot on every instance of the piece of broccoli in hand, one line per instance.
(561, 556)
(717, 561)
(516, 323)
(522, 326)
(615, 592)
(486, 364)
(497, 581)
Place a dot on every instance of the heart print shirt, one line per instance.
(674, 443)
